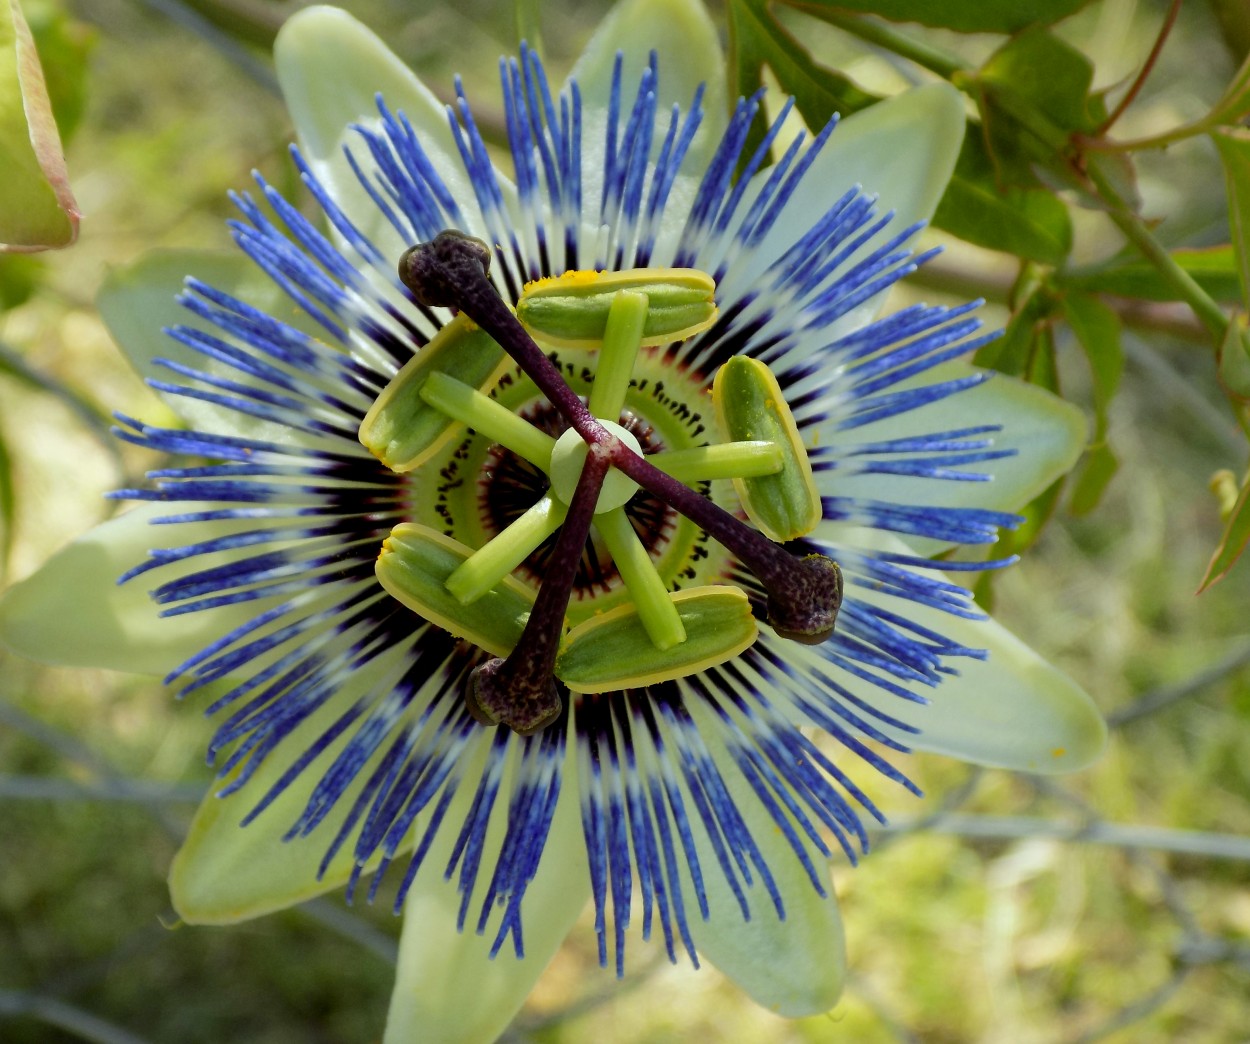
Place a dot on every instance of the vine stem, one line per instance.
(1116, 835)
(1209, 313)
(1143, 74)
(872, 31)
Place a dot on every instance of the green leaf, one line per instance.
(756, 39)
(1097, 330)
(1233, 145)
(64, 47)
(37, 209)
(20, 275)
(1013, 352)
(1232, 543)
(1029, 222)
(1043, 369)
(1048, 75)
(1128, 275)
(1234, 103)
(965, 16)
(1092, 478)
(1234, 359)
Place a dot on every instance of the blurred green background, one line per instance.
(988, 923)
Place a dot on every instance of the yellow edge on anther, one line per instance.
(612, 651)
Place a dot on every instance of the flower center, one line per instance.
(594, 468)
(504, 486)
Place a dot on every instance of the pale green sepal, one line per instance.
(1047, 434)
(901, 150)
(1012, 710)
(447, 988)
(137, 301)
(225, 872)
(73, 613)
(684, 38)
(614, 650)
(401, 429)
(37, 208)
(331, 68)
(414, 565)
(793, 967)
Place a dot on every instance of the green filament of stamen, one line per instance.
(656, 611)
(622, 337)
(489, 418)
(486, 567)
(728, 460)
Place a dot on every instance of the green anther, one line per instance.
(750, 406)
(484, 569)
(571, 310)
(656, 611)
(622, 337)
(414, 566)
(614, 651)
(489, 418)
(401, 429)
(728, 460)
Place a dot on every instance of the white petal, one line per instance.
(226, 872)
(447, 988)
(688, 53)
(901, 150)
(137, 302)
(73, 613)
(796, 966)
(1012, 710)
(1047, 434)
(331, 68)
